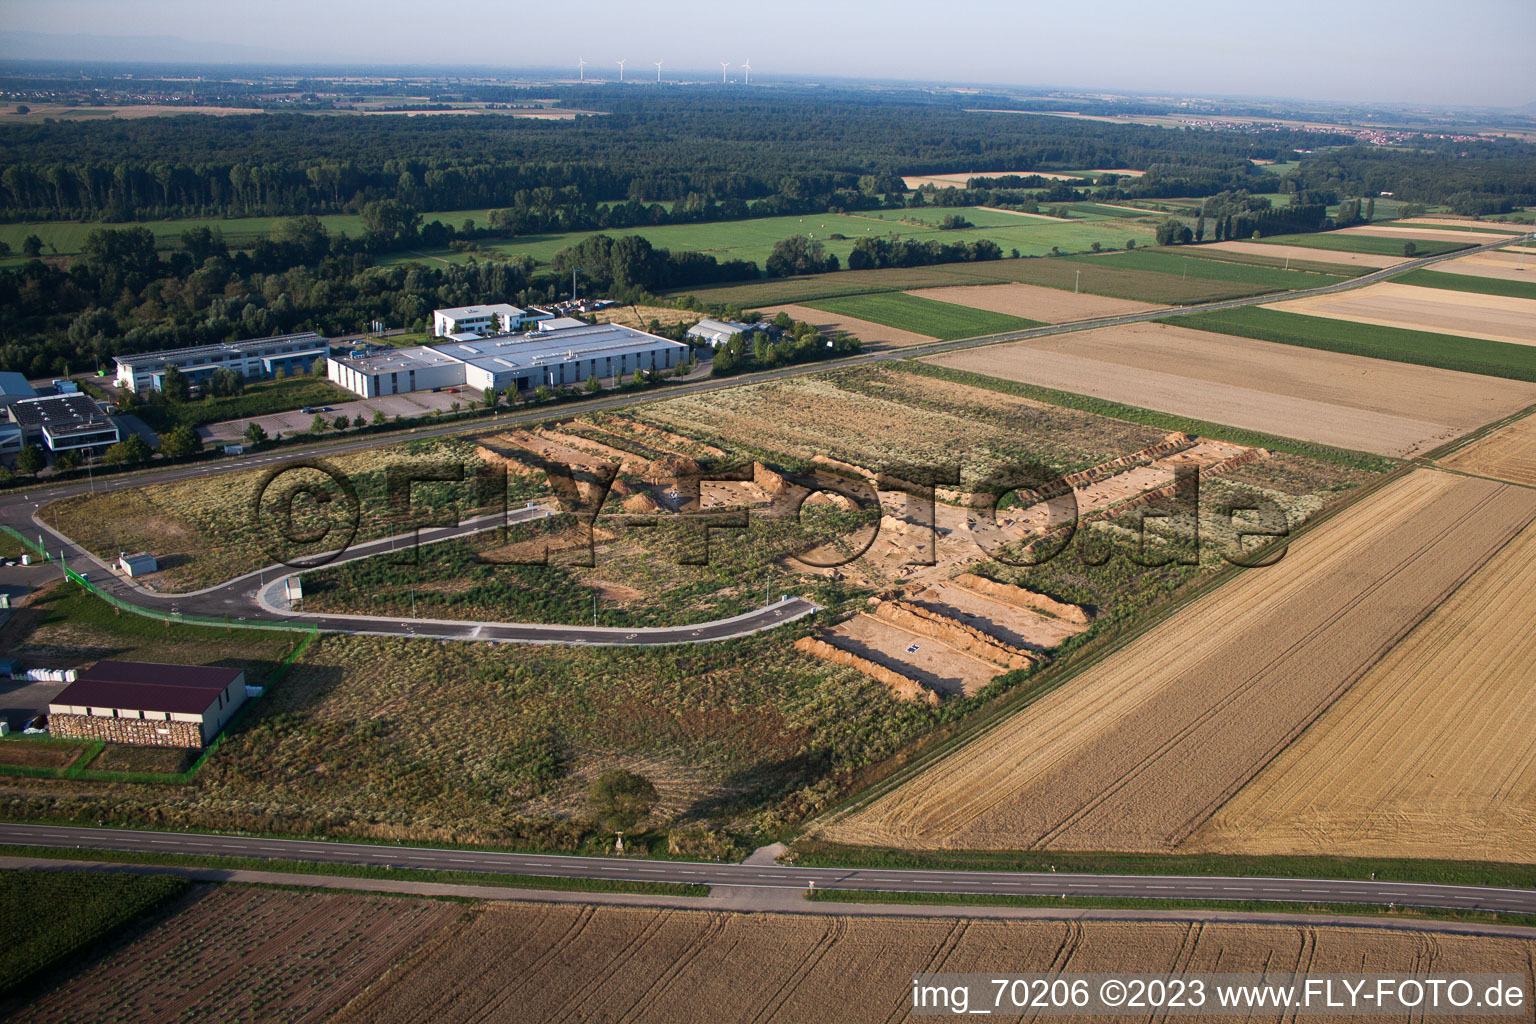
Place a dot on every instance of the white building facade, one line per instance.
(548, 358)
(496, 318)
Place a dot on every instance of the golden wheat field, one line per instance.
(1431, 754)
(1141, 748)
(558, 962)
(1508, 453)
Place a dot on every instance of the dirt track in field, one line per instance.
(1048, 305)
(1464, 314)
(1508, 453)
(1140, 749)
(560, 962)
(873, 335)
(1327, 397)
(1431, 754)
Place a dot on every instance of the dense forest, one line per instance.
(653, 157)
(1474, 178)
(658, 145)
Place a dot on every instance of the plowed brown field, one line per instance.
(1431, 754)
(1140, 749)
(1372, 405)
(1508, 453)
(543, 963)
(1441, 310)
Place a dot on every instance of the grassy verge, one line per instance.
(1455, 282)
(50, 916)
(1132, 903)
(1151, 417)
(1424, 348)
(943, 320)
(304, 867)
(815, 853)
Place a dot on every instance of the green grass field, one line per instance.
(68, 236)
(1185, 262)
(1373, 244)
(942, 320)
(1094, 275)
(49, 916)
(753, 239)
(1431, 278)
(1473, 355)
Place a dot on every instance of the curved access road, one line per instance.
(775, 876)
(259, 597)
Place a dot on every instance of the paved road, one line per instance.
(773, 876)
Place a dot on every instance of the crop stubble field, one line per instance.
(1431, 754)
(620, 964)
(1138, 751)
(1342, 400)
(1508, 453)
(242, 953)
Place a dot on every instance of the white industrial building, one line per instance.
(717, 332)
(496, 318)
(253, 359)
(565, 355)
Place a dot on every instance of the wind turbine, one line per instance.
(658, 69)
(581, 69)
(723, 66)
(747, 67)
(621, 69)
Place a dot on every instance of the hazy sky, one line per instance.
(1418, 51)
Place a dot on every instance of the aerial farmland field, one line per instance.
(557, 962)
(1095, 275)
(1445, 311)
(248, 953)
(1144, 746)
(1377, 341)
(1431, 754)
(1375, 243)
(753, 239)
(1032, 302)
(1508, 453)
(942, 320)
(1341, 400)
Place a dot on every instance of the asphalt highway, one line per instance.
(773, 876)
